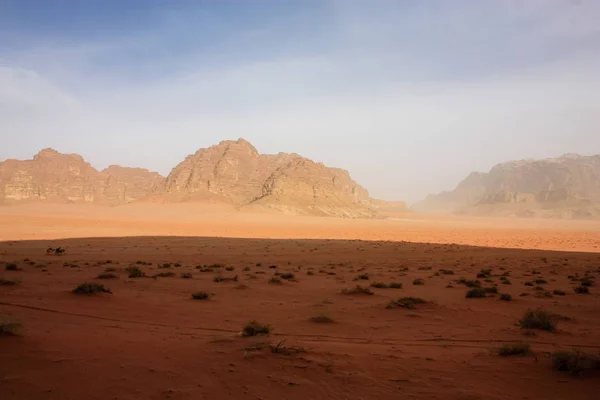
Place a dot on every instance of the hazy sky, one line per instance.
(409, 96)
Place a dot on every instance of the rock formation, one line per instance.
(231, 172)
(55, 177)
(234, 172)
(564, 187)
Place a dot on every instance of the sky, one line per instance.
(408, 96)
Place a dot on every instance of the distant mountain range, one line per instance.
(563, 187)
(231, 172)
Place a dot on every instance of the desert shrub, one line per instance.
(165, 275)
(575, 362)
(8, 282)
(254, 328)
(229, 268)
(514, 349)
(9, 327)
(358, 290)
(220, 278)
(559, 292)
(177, 265)
(406, 302)
(475, 293)
(186, 275)
(246, 269)
(587, 282)
(363, 277)
(288, 276)
(379, 285)
(91, 288)
(201, 295)
(11, 267)
(322, 319)
(310, 273)
(528, 283)
(134, 272)
(395, 285)
(492, 289)
(446, 272)
(505, 297)
(241, 286)
(484, 273)
(107, 275)
(582, 290)
(418, 282)
(110, 269)
(469, 283)
(538, 319)
(165, 265)
(273, 266)
(275, 280)
(541, 281)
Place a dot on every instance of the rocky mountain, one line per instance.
(55, 177)
(231, 172)
(563, 187)
(234, 172)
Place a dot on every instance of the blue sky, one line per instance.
(409, 96)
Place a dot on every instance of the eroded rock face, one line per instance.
(567, 186)
(231, 172)
(56, 177)
(234, 171)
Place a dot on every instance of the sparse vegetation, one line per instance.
(395, 285)
(107, 275)
(469, 283)
(557, 292)
(475, 293)
(254, 328)
(8, 282)
(484, 273)
(201, 295)
(514, 349)
(538, 319)
(91, 288)
(379, 285)
(135, 272)
(406, 302)
(164, 275)
(418, 282)
(506, 297)
(322, 319)
(575, 362)
(186, 275)
(275, 280)
(9, 327)
(220, 278)
(287, 276)
(11, 267)
(363, 277)
(582, 290)
(357, 290)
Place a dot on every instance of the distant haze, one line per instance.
(409, 96)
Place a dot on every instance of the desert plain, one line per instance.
(150, 339)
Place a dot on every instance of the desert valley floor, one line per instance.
(149, 339)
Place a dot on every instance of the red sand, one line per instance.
(150, 340)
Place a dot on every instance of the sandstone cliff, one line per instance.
(234, 172)
(564, 187)
(231, 172)
(52, 176)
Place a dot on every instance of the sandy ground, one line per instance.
(150, 340)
